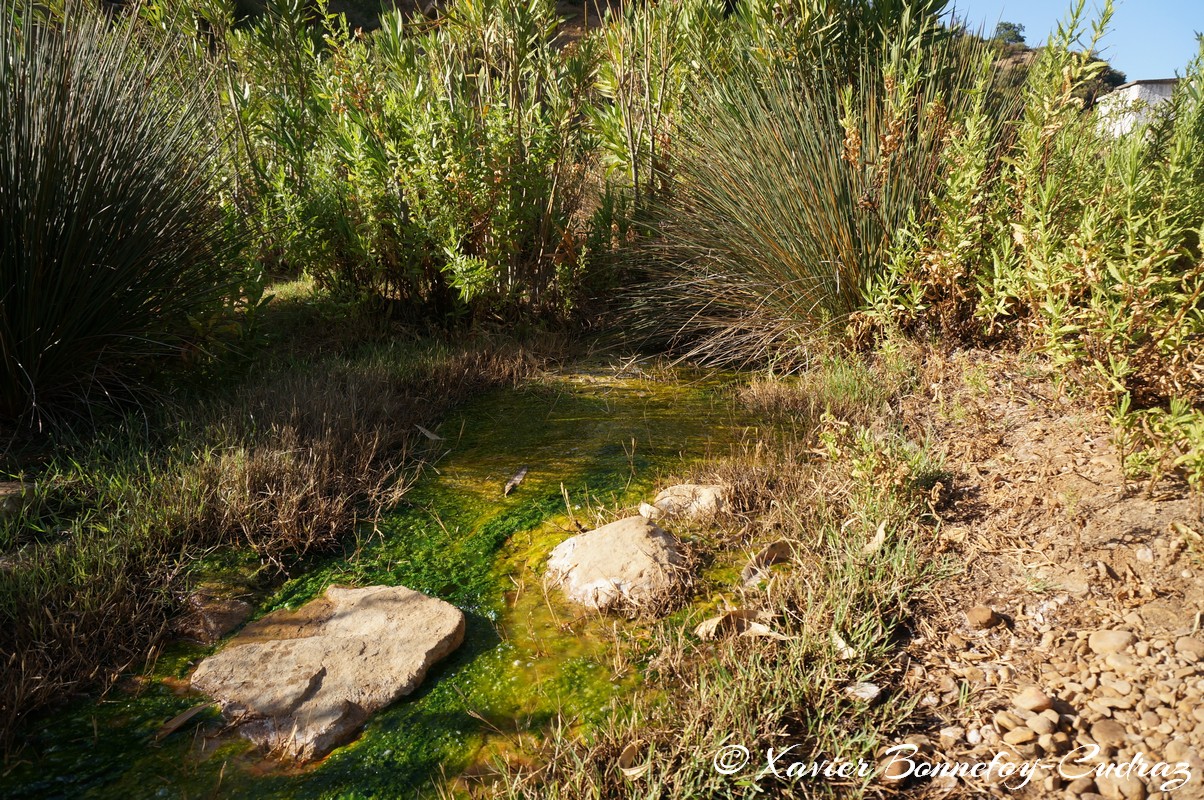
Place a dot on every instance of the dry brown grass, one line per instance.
(325, 445)
(288, 462)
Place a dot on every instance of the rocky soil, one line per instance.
(1072, 639)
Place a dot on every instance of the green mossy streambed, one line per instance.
(529, 661)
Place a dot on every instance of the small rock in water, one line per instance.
(1110, 641)
(211, 615)
(631, 561)
(982, 617)
(692, 500)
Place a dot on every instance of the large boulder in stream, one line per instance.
(629, 563)
(302, 682)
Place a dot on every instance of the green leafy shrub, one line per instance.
(1080, 243)
(437, 167)
(274, 117)
(111, 234)
(651, 53)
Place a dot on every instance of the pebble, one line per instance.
(1108, 731)
(1006, 721)
(1190, 648)
(1145, 555)
(973, 737)
(1019, 736)
(1122, 688)
(864, 691)
(1118, 787)
(982, 617)
(1081, 785)
(1110, 641)
(1041, 725)
(895, 769)
(951, 736)
(1032, 699)
(1177, 751)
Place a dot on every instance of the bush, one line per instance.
(435, 166)
(111, 235)
(1081, 244)
(792, 182)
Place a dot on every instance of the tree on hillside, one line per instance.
(1009, 33)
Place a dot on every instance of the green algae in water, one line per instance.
(599, 440)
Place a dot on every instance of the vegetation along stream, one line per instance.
(594, 440)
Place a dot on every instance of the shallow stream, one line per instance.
(598, 438)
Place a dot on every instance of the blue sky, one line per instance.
(1147, 38)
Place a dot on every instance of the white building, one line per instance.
(1132, 103)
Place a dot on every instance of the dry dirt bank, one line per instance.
(1076, 621)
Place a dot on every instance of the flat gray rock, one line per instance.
(630, 562)
(300, 683)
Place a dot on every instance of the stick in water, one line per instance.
(515, 481)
